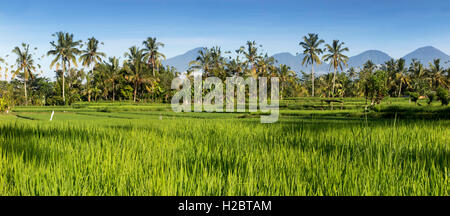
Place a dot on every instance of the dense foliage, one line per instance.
(141, 77)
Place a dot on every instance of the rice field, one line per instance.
(125, 149)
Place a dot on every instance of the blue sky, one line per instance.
(395, 27)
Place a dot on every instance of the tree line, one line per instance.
(84, 73)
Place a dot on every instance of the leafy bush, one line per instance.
(55, 100)
(4, 105)
(104, 109)
(431, 97)
(414, 96)
(442, 95)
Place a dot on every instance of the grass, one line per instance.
(129, 150)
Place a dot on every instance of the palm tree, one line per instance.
(400, 75)
(436, 73)
(65, 50)
(417, 74)
(336, 58)
(235, 67)
(135, 66)
(24, 64)
(265, 65)
(152, 55)
(203, 61)
(364, 76)
(286, 75)
(89, 77)
(5, 68)
(352, 73)
(251, 54)
(312, 51)
(112, 72)
(91, 56)
(217, 62)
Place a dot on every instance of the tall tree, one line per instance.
(400, 75)
(112, 73)
(203, 61)
(286, 75)
(364, 76)
(135, 65)
(417, 75)
(235, 67)
(252, 56)
(152, 54)
(24, 64)
(5, 68)
(90, 57)
(312, 51)
(217, 62)
(65, 50)
(336, 57)
(436, 74)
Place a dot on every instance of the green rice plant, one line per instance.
(307, 153)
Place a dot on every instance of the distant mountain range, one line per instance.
(425, 55)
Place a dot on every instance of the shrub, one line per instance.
(431, 97)
(55, 100)
(442, 95)
(414, 96)
(3, 105)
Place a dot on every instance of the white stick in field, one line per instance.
(51, 117)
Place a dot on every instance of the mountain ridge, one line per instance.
(424, 54)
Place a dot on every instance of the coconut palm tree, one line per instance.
(312, 51)
(436, 74)
(400, 75)
(135, 65)
(235, 67)
(112, 73)
(265, 66)
(88, 89)
(24, 64)
(252, 56)
(285, 74)
(91, 56)
(152, 54)
(336, 58)
(5, 68)
(352, 73)
(364, 76)
(417, 75)
(217, 62)
(203, 61)
(65, 50)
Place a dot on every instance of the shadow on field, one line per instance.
(27, 148)
(104, 116)
(25, 117)
(32, 144)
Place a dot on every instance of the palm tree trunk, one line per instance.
(400, 90)
(312, 80)
(135, 91)
(334, 83)
(63, 82)
(113, 91)
(153, 67)
(89, 86)
(25, 88)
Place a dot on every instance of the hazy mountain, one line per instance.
(426, 55)
(181, 62)
(295, 62)
(375, 56)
